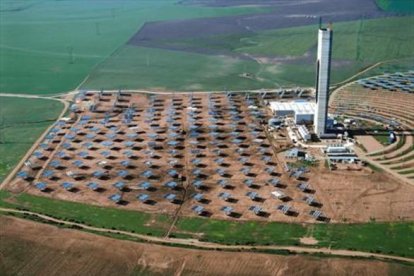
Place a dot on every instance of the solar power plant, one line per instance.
(68, 186)
(255, 209)
(164, 149)
(317, 214)
(145, 185)
(310, 200)
(392, 82)
(41, 186)
(93, 186)
(228, 210)
(115, 198)
(285, 209)
(304, 186)
(198, 209)
(143, 197)
(22, 174)
(198, 197)
(170, 197)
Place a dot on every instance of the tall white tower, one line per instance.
(323, 66)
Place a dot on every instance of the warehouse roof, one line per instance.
(298, 107)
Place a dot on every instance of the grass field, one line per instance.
(51, 46)
(138, 67)
(405, 6)
(382, 137)
(392, 238)
(367, 40)
(357, 45)
(22, 121)
(392, 66)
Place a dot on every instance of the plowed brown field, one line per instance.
(29, 248)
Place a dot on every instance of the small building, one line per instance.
(304, 133)
(279, 195)
(302, 111)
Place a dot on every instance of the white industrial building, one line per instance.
(304, 133)
(302, 111)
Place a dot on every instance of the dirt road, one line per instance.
(208, 245)
(32, 248)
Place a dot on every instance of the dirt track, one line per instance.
(37, 249)
(209, 245)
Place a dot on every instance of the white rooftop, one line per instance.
(298, 107)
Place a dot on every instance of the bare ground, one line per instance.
(369, 142)
(29, 248)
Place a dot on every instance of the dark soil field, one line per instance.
(282, 14)
(29, 248)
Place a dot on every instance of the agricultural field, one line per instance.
(403, 6)
(390, 238)
(54, 46)
(26, 249)
(164, 70)
(51, 46)
(22, 121)
(269, 58)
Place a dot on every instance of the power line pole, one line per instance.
(97, 28)
(2, 127)
(358, 42)
(70, 53)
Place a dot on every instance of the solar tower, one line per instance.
(323, 66)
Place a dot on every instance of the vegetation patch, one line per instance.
(22, 121)
(387, 238)
(111, 218)
(404, 6)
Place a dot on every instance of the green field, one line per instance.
(391, 67)
(137, 67)
(404, 6)
(357, 45)
(381, 136)
(364, 40)
(391, 238)
(51, 46)
(22, 121)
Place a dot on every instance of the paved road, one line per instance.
(210, 245)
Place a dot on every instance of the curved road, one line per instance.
(210, 245)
